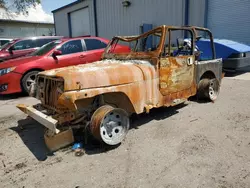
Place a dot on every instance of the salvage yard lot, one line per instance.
(192, 145)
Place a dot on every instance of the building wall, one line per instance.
(61, 18)
(230, 19)
(15, 29)
(114, 19)
(197, 12)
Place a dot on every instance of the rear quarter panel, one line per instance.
(214, 66)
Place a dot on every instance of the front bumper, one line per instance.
(54, 139)
(236, 63)
(40, 117)
(12, 81)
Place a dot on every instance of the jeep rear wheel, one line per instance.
(208, 89)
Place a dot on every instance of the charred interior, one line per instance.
(49, 89)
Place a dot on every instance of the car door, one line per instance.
(72, 53)
(95, 49)
(22, 48)
(177, 70)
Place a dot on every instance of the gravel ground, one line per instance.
(193, 145)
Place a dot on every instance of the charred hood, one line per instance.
(100, 74)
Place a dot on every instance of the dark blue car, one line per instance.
(235, 55)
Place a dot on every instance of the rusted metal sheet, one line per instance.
(57, 141)
(97, 118)
(177, 79)
(176, 74)
(138, 79)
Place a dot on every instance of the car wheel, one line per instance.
(208, 89)
(27, 80)
(109, 125)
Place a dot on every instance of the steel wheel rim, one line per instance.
(213, 89)
(114, 127)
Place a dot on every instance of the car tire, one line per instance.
(27, 80)
(208, 89)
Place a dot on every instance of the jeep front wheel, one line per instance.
(109, 124)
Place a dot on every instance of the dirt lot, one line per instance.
(193, 145)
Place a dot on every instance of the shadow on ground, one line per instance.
(32, 133)
(200, 101)
(155, 114)
(236, 73)
(95, 147)
(12, 96)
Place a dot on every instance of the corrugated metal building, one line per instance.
(229, 19)
(107, 18)
(110, 17)
(114, 19)
(18, 28)
(65, 23)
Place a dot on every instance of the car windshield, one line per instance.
(6, 44)
(46, 48)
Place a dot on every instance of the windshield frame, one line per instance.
(159, 31)
(211, 38)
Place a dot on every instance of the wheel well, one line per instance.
(208, 74)
(36, 69)
(120, 100)
(115, 99)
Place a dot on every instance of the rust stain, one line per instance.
(22, 107)
(97, 119)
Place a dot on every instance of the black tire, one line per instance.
(27, 80)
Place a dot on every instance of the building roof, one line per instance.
(68, 5)
(24, 21)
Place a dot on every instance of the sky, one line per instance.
(49, 5)
(41, 13)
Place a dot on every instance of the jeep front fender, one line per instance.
(137, 93)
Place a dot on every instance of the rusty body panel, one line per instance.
(177, 79)
(137, 79)
(176, 74)
(97, 118)
(60, 140)
(134, 82)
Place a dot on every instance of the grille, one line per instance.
(49, 90)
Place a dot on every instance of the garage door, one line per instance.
(230, 19)
(79, 21)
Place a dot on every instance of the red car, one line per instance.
(21, 47)
(16, 75)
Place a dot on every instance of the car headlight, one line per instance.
(7, 70)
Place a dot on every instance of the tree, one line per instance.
(19, 6)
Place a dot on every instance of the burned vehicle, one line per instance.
(100, 97)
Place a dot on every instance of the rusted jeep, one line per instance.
(100, 97)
